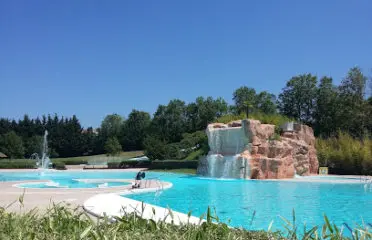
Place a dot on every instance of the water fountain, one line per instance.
(44, 161)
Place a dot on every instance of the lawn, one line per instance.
(98, 159)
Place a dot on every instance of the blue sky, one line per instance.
(93, 58)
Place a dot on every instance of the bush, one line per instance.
(8, 164)
(154, 148)
(274, 119)
(59, 166)
(128, 164)
(73, 161)
(344, 154)
(112, 146)
(174, 164)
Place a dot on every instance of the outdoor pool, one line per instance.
(251, 204)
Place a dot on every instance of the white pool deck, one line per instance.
(109, 201)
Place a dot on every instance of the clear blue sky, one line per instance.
(93, 58)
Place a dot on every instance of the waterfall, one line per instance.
(225, 158)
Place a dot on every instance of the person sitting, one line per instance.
(140, 175)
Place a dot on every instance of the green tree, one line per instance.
(169, 122)
(352, 103)
(155, 148)
(326, 121)
(135, 129)
(111, 126)
(33, 145)
(266, 102)
(112, 146)
(245, 99)
(298, 98)
(11, 144)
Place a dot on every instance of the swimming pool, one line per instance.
(74, 183)
(251, 204)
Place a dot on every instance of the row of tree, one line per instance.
(324, 106)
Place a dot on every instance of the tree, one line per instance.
(326, 121)
(353, 105)
(112, 146)
(135, 129)
(111, 126)
(298, 98)
(154, 148)
(33, 145)
(244, 98)
(169, 122)
(266, 102)
(11, 144)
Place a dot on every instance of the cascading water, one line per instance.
(224, 159)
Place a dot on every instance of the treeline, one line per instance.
(176, 130)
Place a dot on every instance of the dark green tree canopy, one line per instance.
(135, 130)
(298, 98)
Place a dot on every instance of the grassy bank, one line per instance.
(63, 222)
(98, 159)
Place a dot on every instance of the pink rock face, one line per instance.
(294, 153)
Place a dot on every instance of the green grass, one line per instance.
(274, 119)
(181, 170)
(64, 222)
(98, 159)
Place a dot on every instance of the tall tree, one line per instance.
(352, 93)
(245, 99)
(325, 114)
(111, 126)
(135, 129)
(266, 102)
(298, 98)
(169, 122)
(11, 144)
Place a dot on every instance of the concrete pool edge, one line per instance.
(115, 205)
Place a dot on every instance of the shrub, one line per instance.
(154, 148)
(274, 119)
(112, 146)
(128, 164)
(344, 154)
(73, 161)
(23, 163)
(59, 166)
(174, 164)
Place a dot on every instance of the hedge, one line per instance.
(8, 164)
(128, 164)
(173, 164)
(73, 161)
(59, 166)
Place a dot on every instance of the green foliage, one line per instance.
(154, 148)
(174, 164)
(59, 166)
(134, 130)
(128, 164)
(274, 119)
(195, 155)
(345, 155)
(17, 163)
(112, 146)
(72, 161)
(111, 126)
(12, 145)
(298, 98)
(64, 222)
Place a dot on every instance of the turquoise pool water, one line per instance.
(73, 184)
(243, 203)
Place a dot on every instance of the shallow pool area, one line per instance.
(252, 204)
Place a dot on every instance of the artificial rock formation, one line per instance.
(249, 149)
